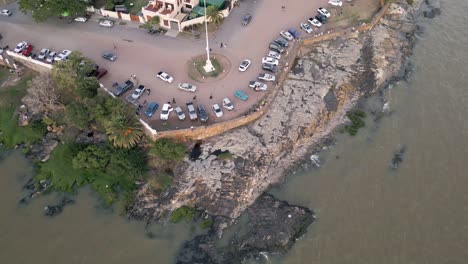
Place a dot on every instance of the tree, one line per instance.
(88, 87)
(42, 96)
(77, 114)
(169, 150)
(153, 22)
(124, 130)
(214, 15)
(92, 158)
(43, 9)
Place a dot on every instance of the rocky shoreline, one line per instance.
(328, 80)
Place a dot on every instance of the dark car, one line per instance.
(295, 33)
(282, 42)
(202, 113)
(269, 67)
(152, 107)
(100, 73)
(109, 56)
(123, 87)
(321, 18)
(246, 19)
(275, 47)
(27, 51)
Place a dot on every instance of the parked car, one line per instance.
(321, 18)
(295, 33)
(282, 42)
(100, 73)
(81, 19)
(314, 22)
(258, 86)
(285, 34)
(165, 111)
(123, 87)
(165, 77)
(180, 113)
(227, 104)
(217, 110)
(43, 54)
(63, 56)
(274, 54)
(241, 95)
(270, 60)
(335, 3)
(191, 111)
(187, 87)
(27, 51)
(138, 91)
(106, 23)
(266, 77)
(269, 67)
(202, 113)
(245, 64)
(275, 47)
(306, 27)
(152, 107)
(246, 19)
(5, 12)
(323, 11)
(109, 56)
(51, 57)
(20, 47)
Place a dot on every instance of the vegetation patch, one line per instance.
(206, 223)
(184, 212)
(357, 122)
(167, 149)
(225, 155)
(217, 68)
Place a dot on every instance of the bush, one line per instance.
(356, 122)
(225, 155)
(184, 212)
(206, 223)
(169, 150)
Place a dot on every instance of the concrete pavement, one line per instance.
(144, 55)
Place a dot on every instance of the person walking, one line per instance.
(115, 47)
(173, 100)
(195, 97)
(149, 91)
(221, 45)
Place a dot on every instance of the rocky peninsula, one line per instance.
(327, 80)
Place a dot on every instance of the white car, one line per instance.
(258, 86)
(165, 77)
(314, 22)
(187, 87)
(285, 34)
(270, 60)
(180, 113)
(138, 91)
(21, 46)
(227, 104)
(306, 27)
(5, 12)
(81, 19)
(51, 57)
(245, 64)
(274, 54)
(335, 2)
(324, 12)
(106, 23)
(217, 110)
(63, 56)
(266, 77)
(43, 54)
(165, 111)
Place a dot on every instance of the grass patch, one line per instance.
(206, 223)
(184, 212)
(225, 155)
(218, 69)
(10, 97)
(357, 122)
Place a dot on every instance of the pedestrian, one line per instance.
(144, 103)
(173, 100)
(195, 97)
(211, 49)
(221, 45)
(211, 97)
(115, 47)
(149, 91)
(283, 8)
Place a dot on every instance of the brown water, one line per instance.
(418, 213)
(366, 212)
(83, 233)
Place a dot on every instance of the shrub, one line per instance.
(184, 212)
(168, 150)
(225, 155)
(206, 223)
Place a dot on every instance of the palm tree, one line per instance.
(214, 15)
(124, 130)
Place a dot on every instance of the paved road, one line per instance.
(144, 55)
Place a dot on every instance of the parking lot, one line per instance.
(144, 55)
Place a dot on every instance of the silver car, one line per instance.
(51, 57)
(187, 87)
(43, 54)
(180, 113)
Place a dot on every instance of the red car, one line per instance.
(27, 51)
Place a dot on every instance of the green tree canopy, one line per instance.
(124, 130)
(88, 87)
(42, 9)
(214, 15)
(169, 150)
(92, 158)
